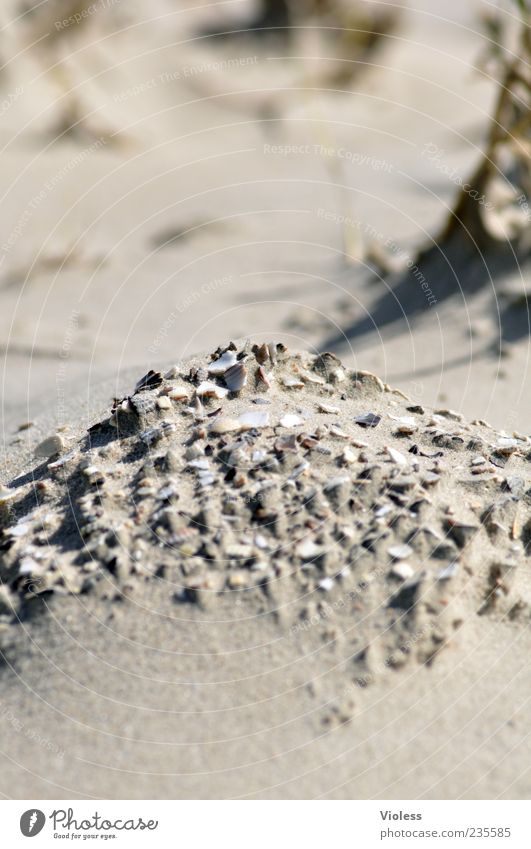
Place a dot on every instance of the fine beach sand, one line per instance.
(185, 209)
(286, 671)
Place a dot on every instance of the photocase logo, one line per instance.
(32, 822)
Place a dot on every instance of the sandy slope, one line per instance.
(141, 705)
(141, 697)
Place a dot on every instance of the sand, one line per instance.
(175, 216)
(175, 647)
(262, 243)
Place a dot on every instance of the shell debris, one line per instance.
(264, 495)
(236, 377)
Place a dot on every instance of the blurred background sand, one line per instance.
(164, 190)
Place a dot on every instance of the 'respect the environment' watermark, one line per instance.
(186, 72)
(387, 243)
(39, 199)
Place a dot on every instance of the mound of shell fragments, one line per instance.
(291, 485)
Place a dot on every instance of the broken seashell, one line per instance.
(307, 549)
(402, 571)
(18, 530)
(348, 455)
(448, 572)
(368, 379)
(327, 408)
(200, 465)
(221, 365)
(311, 377)
(261, 353)
(292, 382)
(263, 377)
(62, 461)
(236, 377)
(254, 418)
(449, 414)
(286, 444)
(400, 552)
(326, 363)
(404, 420)
(338, 432)
(224, 425)
(167, 427)
(405, 430)
(368, 420)
(272, 349)
(142, 404)
(205, 479)
(29, 566)
(207, 389)
(291, 420)
(196, 408)
(150, 381)
(6, 494)
(396, 456)
(91, 471)
(150, 436)
(299, 470)
(178, 393)
(172, 373)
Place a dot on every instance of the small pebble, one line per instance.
(50, 446)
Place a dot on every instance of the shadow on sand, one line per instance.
(459, 271)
